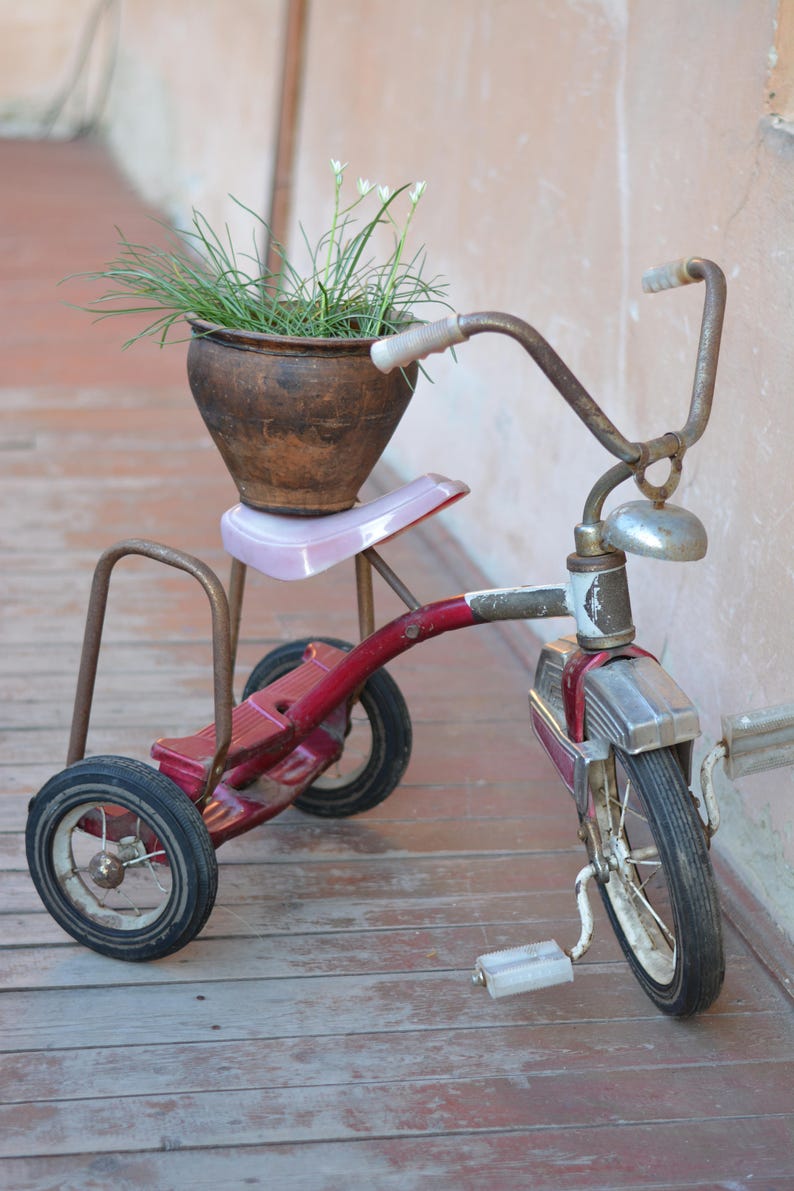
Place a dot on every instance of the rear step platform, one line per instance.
(259, 724)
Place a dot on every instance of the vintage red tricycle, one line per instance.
(124, 854)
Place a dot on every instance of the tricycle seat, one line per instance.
(292, 547)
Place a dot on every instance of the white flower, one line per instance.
(384, 193)
(364, 186)
(338, 170)
(417, 192)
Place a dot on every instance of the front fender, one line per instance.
(636, 705)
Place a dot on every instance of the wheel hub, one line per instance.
(106, 870)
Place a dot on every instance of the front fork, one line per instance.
(599, 690)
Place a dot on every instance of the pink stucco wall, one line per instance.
(568, 146)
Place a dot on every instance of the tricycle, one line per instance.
(123, 853)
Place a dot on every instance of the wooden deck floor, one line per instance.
(322, 1032)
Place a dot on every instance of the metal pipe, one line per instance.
(601, 490)
(237, 575)
(92, 639)
(392, 579)
(585, 913)
(560, 375)
(718, 753)
(365, 598)
(708, 347)
(521, 603)
(280, 199)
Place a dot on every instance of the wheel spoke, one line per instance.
(141, 859)
(649, 855)
(128, 899)
(136, 902)
(638, 868)
(623, 809)
(637, 892)
(155, 878)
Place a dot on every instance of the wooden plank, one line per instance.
(408, 1108)
(379, 880)
(322, 840)
(420, 947)
(148, 699)
(441, 752)
(320, 914)
(53, 1019)
(537, 1048)
(533, 799)
(417, 949)
(530, 915)
(25, 399)
(687, 1155)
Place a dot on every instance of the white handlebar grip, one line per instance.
(416, 343)
(667, 277)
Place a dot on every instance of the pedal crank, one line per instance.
(537, 965)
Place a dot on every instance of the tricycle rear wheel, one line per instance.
(378, 743)
(121, 858)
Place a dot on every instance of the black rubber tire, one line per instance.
(162, 813)
(681, 966)
(389, 746)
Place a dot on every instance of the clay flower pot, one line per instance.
(300, 423)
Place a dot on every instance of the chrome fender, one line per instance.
(636, 705)
(630, 703)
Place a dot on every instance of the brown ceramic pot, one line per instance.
(300, 423)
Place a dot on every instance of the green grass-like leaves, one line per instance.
(344, 293)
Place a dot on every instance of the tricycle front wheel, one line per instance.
(377, 746)
(661, 897)
(121, 858)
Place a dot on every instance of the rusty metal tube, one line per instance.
(391, 579)
(601, 490)
(560, 375)
(708, 348)
(417, 342)
(92, 639)
(237, 575)
(365, 598)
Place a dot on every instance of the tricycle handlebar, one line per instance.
(420, 341)
(416, 343)
(667, 277)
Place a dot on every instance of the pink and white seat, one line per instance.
(287, 547)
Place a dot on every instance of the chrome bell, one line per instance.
(655, 531)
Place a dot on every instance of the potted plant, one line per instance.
(278, 360)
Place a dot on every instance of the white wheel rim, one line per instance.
(637, 886)
(146, 879)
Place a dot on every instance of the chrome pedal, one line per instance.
(523, 969)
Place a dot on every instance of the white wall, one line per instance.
(192, 114)
(55, 62)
